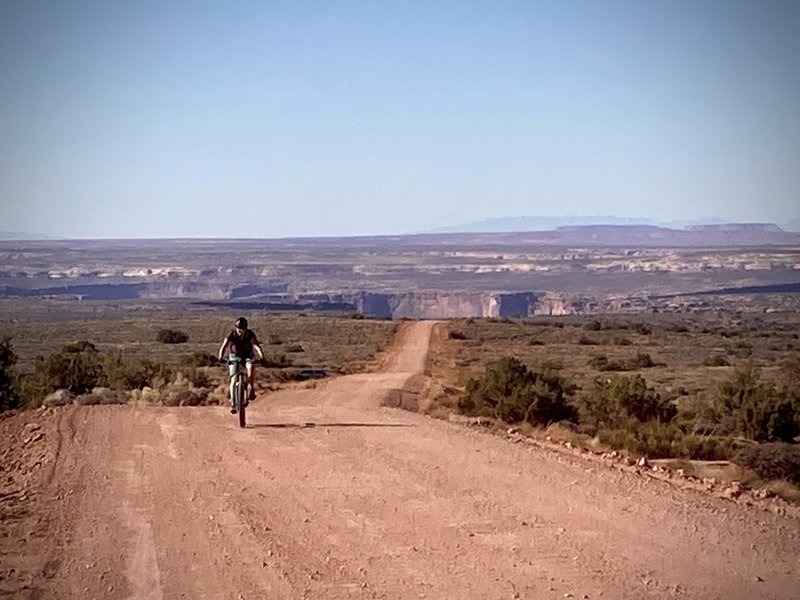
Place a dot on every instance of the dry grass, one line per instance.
(337, 344)
(783, 489)
(561, 433)
(679, 348)
(438, 400)
(722, 471)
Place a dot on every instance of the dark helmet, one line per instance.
(241, 323)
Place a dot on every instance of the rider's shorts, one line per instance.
(248, 361)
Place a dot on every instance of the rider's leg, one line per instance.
(251, 379)
(231, 373)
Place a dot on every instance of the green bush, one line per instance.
(80, 346)
(601, 362)
(772, 461)
(616, 400)
(31, 390)
(172, 336)
(651, 439)
(704, 447)
(767, 415)
(9, 398)
(509, 391)
(127, 373)
(81, 370)
(199, 359)
(76, 368)
(743, 406)
(665, 440)
(197, 377)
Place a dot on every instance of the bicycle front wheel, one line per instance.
(240, 401)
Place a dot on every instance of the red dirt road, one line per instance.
(329, 495)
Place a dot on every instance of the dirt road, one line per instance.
(329, 495)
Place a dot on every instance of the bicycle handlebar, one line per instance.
(235, 359)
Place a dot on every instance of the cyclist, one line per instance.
(241, 342)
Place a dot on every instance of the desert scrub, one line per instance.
(77, 368)
(743, 406)
(276, 360)
(509, 391)
(121, 372)
(617, 400)
(9, 396)
(172, 336)
(178, 391)
(665, 440)
(716, 361)
(80, 370)
(642, 360)
(593, 325)
(772, 461)
(329, 342)
(675, 349)
(651, 439)
(199, 359)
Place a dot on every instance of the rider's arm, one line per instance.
(257, 346)
(221, 350)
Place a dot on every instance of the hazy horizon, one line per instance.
(490, 225)
(309, 119)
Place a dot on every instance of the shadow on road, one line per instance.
(309, 425)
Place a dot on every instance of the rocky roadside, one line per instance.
(734, 491)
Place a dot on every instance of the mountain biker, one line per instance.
(241, 342)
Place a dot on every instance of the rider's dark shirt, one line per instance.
(242, 346)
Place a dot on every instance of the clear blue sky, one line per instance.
(294, 118)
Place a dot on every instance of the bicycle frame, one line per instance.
(238, 386)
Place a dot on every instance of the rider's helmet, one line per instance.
(241, 323)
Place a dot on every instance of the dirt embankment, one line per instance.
(328, 494)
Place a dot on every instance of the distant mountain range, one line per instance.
(528, 223)
(21, 235)
(521, 224)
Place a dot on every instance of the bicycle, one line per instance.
(239, 388)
